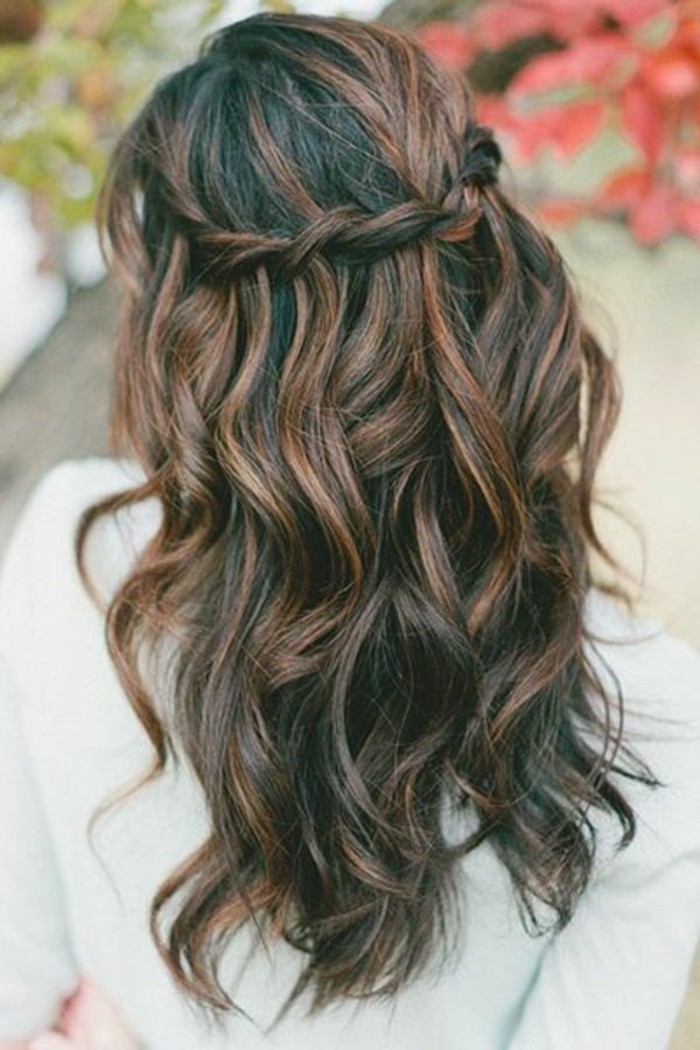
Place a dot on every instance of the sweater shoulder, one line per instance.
(652, 679)
(38, 569)
(656, 671)
(78, 479)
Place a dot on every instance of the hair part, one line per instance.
(359, 383)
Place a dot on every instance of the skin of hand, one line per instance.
(88, 1021)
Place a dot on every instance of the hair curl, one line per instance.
(359, 383)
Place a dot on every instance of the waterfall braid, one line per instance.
(358, 381)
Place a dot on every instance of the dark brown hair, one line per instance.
(357, 378)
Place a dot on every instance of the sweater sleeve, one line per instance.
(617, 974)
(37, 967)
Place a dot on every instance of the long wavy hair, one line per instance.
(358, 381)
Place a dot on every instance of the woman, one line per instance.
(310, 695)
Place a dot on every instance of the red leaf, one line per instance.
(588, 59)
(561, 211)
(567, 129)
(674, 73)
(450, 44)
(654, 217)
(495, 111)
(643, 119)
(689, 217)
(536, 130)
(688, 36)
(625, 189)
(580, 122)
(501, 22)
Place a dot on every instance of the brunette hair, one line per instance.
(358, 380)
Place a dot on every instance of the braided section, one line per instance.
(345, 235)
(483, 157)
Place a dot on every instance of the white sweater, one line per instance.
(614, 979)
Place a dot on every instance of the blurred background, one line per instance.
(597, 106)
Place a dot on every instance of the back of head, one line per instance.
(357, 377)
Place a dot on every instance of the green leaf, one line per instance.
(69, 56)
(47, 126)
(13, 58)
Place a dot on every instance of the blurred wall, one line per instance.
(652, 468)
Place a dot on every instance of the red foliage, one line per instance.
(499, 23)
(689, 217)
(454, 45)
(566, 129)
(629, 64)
(643, 119)
(588, 59)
